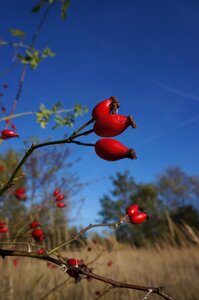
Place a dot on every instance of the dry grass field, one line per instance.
(175, 267)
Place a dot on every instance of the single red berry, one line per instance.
(105, 107)
(61, 205)
(110, 263)
(112, 125)
(138, 217)
(35, 224)
(20, 194)
(9, 133)
(132, 209)
(60, 197)
(41, 251)
(38, 235)
(2, 224)
(4, 229)
(15, 262)
(5, 85)
(112, 150)
(73, 262)
(56, 192)
(1, 94)
(2, 168)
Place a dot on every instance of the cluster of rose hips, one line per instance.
(136, 215)
(108, 124)
(3, 227)
(59, 198)
(20, 194)
(37, 232)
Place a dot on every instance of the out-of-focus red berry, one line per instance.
(138, 217)
(132, 209)
(56, 192)
(60, 197)
(61, 205)
(41, 251)
(35, 224)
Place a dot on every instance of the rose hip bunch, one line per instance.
(136, 215)
(59, 198)
(3, 227)
(37, 232)
(20, 194)
(108, 123)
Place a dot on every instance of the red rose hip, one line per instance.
(60, 197)
(138, 217)
(111, 150)
(56, 192)
(132, 209)
(105, 107)
(6, 133)
(35, 224)
(61, 205)
(113, 125)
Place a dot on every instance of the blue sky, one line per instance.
(143, 52)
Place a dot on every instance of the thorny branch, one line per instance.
(82, 271)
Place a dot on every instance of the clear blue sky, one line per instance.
(143, 52)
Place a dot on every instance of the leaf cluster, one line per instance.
(62, 117)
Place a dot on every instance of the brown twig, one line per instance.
(115, 224)
(61, 263)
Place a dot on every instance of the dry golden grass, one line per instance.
(177, 268)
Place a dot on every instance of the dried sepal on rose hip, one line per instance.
(112, 150)
(113, 125)
(105, 107)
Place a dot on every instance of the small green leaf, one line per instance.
(64, 8)
(16, 32)
(35, 9)
(47, 52)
